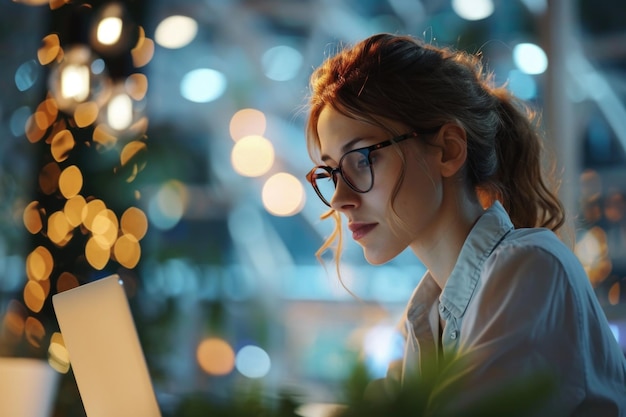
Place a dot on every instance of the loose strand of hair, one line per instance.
(335, 237)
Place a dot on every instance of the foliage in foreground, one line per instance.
(430, 394)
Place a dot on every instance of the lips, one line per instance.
(359, 230)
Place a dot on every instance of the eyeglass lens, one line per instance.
(356, 171)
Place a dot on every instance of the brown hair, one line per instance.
(403, 79)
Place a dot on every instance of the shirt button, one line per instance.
(453, 335)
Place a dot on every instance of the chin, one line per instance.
(376, 259)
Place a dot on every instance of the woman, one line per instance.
(416, 148)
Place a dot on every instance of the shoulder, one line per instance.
(534, 251)
(533, 269)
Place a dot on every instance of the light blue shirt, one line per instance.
(517, 304)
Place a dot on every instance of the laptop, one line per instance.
(105, 354)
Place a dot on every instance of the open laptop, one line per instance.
(105, 353)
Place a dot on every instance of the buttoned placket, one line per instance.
(451, 332)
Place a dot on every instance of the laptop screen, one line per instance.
(105, 354)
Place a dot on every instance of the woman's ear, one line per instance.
(453, 141)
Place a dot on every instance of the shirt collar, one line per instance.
(488, 231)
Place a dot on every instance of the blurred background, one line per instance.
(163, 141)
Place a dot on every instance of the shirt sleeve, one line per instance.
(519, 338)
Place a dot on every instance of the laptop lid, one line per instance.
(105, 354)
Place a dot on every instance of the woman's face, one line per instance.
(369, 215)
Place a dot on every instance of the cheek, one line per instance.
(419, 194)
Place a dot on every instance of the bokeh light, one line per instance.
(143, 51)
(86, 114)
(215, 356)
(17, 122)
(133, 158)
(175, 31)
(104, 228)
(530, 58)
(247, 122)
(59, 229)
(66, 281)
(283, 195)
(90, 211)
(49, 50)
(382, 345)
(203, 85)
(33, 217)
(97, 255)
(127, 251)
(109, 30)
(252, 156)
(73, 81)
(26, 75)
(120, 112)
(168, 206)
(252, 361)
(281, 63)
(34, 331)
(134, 222)
(14, 320)
(70, 181)
(592, 251)
(73, 210)
(58, 356)
(39, 264)
(473, 9)
(34, 296)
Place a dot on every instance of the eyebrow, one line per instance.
(345, 148)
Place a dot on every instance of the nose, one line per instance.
(345, 198)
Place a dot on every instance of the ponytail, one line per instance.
(519, 183)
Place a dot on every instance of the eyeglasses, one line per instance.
(355, 167)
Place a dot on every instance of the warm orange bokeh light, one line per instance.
(103, 137)
(34, 331)
(73, 210)
(66, 281)
(96, 255)
(134, 222)
(46, 113)
(215, 356)
(34, 133)
(127, 251)
(70, 181)
(86, 114)
(90, 211)
(39, 264)
(61, 145)
(105, 228)
(33, 217)
(59, 229)
(136, 86)
(131, 151)
(49, 50)
(14, 320)
(143, 51)
(34, 296)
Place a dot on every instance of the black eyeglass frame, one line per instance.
(366, 151)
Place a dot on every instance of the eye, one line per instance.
(363, 162)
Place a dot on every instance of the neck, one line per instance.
(439, 248)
